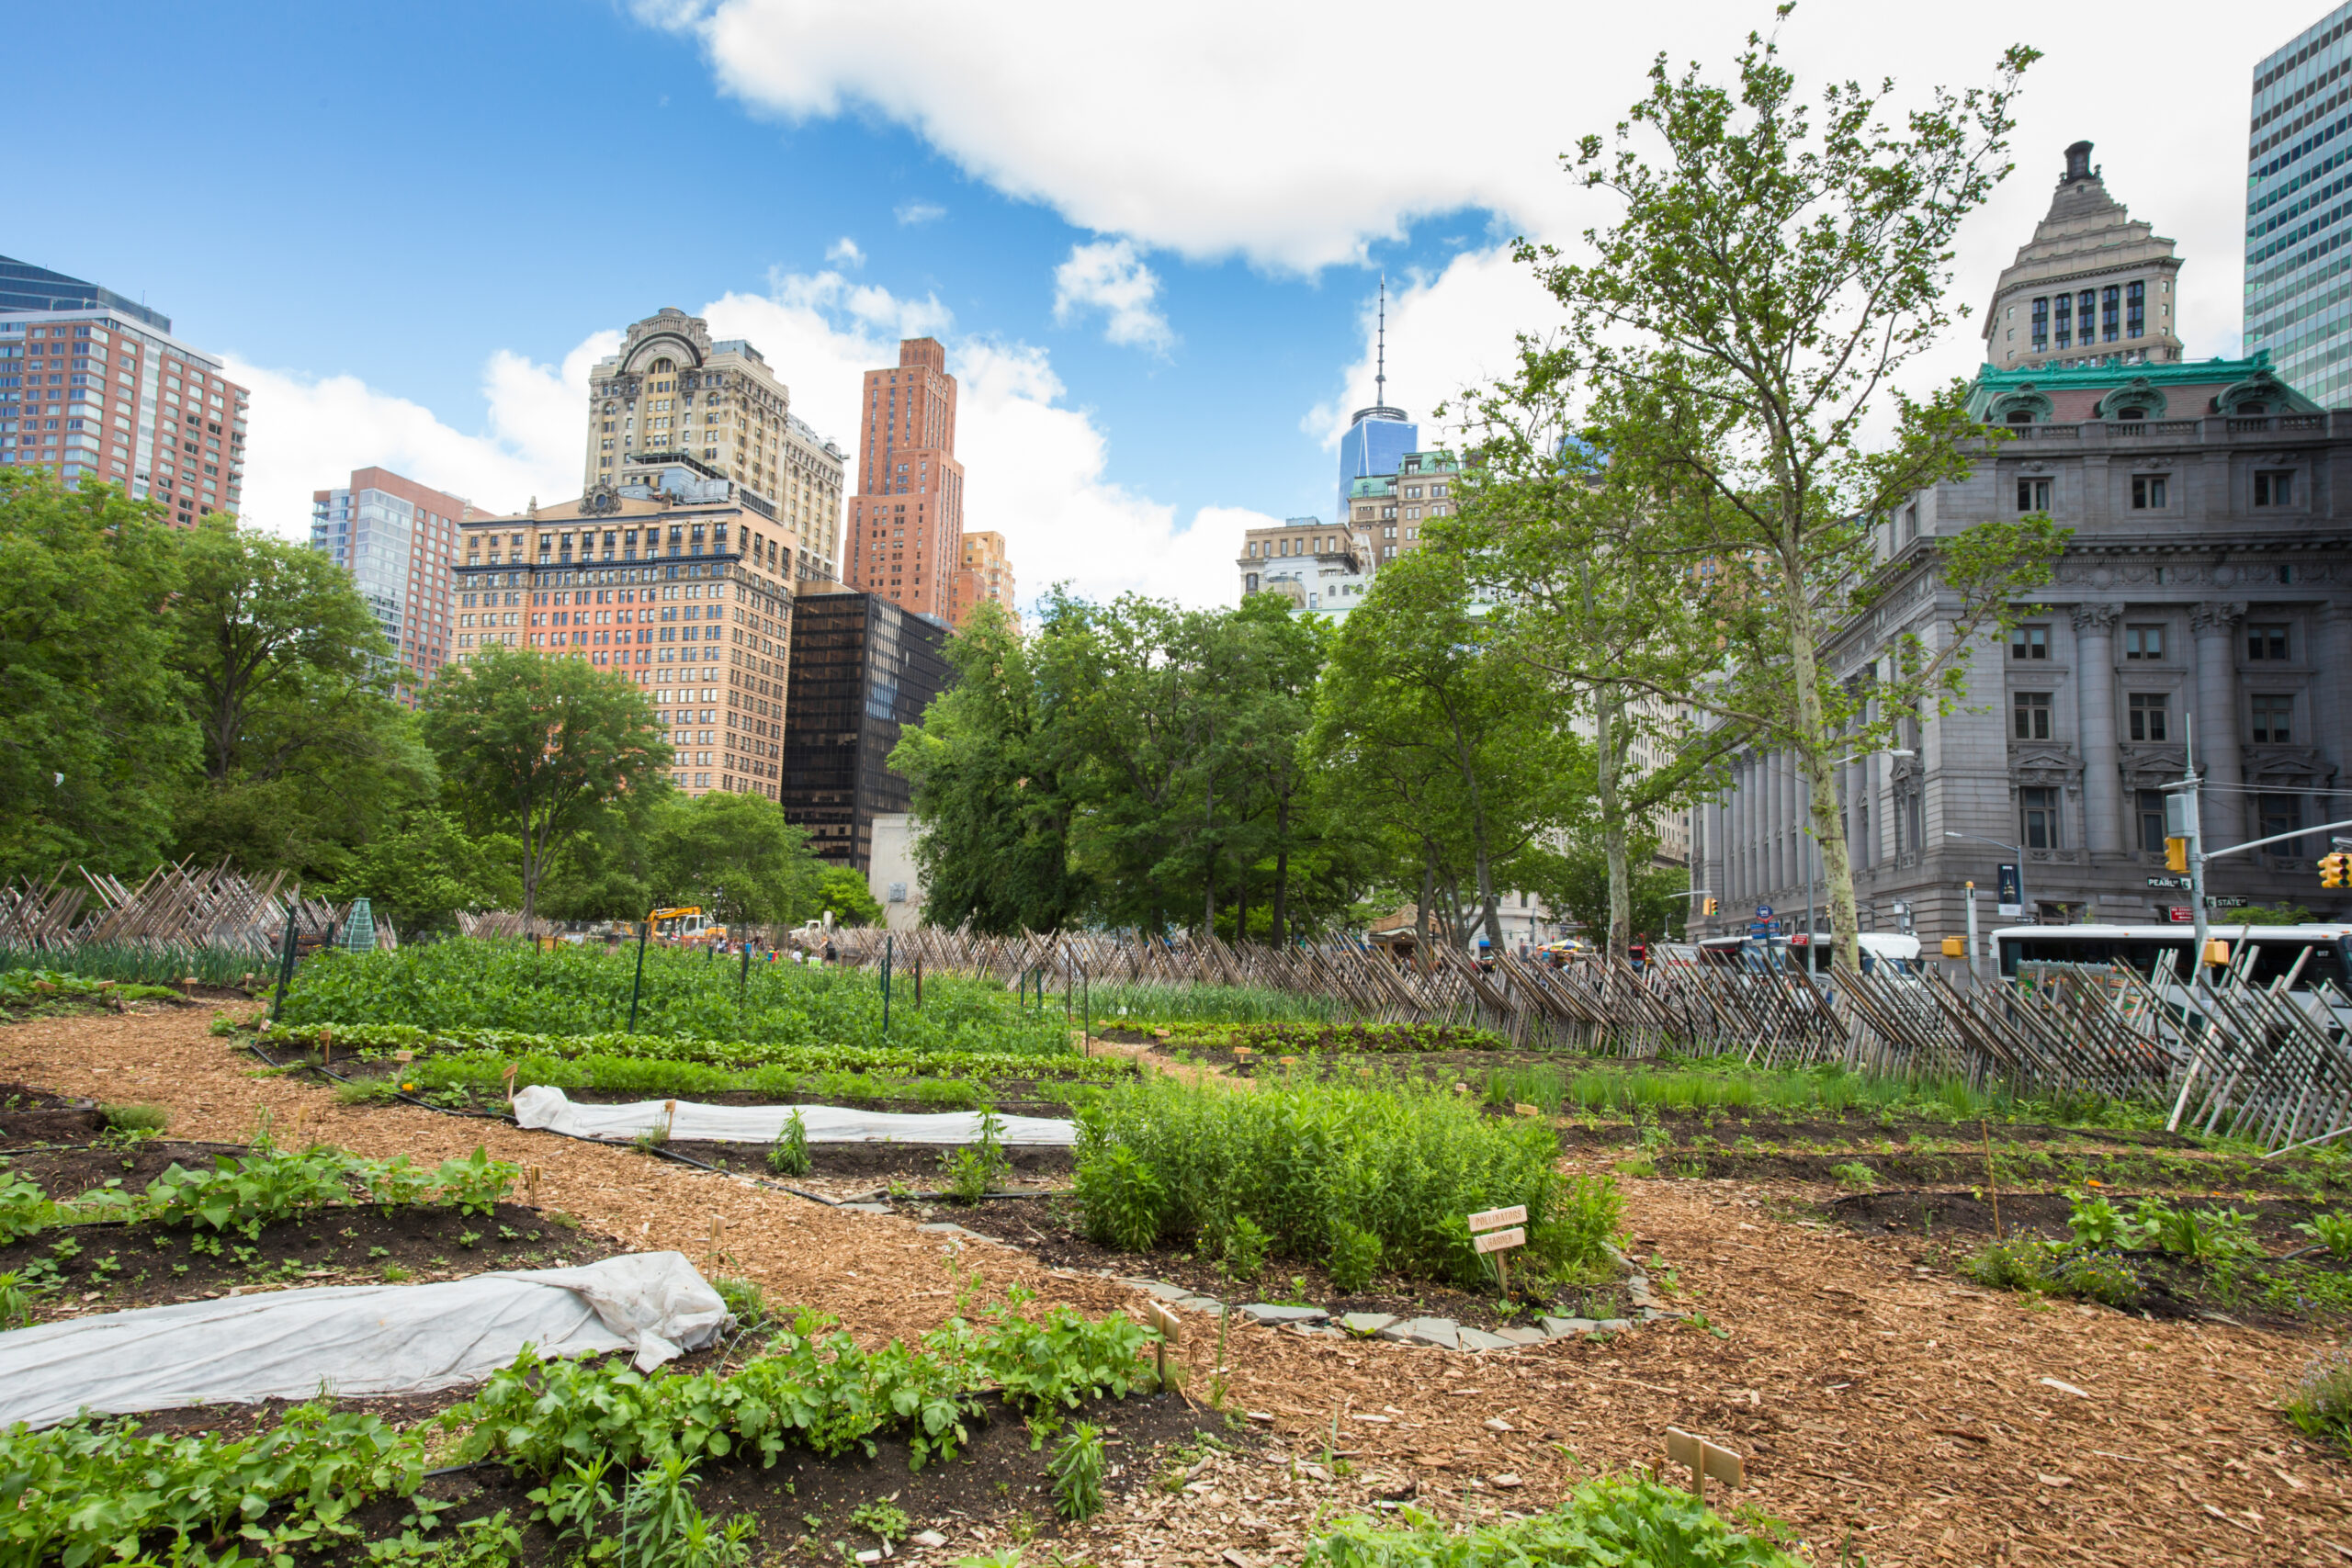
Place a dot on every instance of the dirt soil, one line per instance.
(30, 1116)
(1915, 1418)
(874, 1167)
(1050, 1229)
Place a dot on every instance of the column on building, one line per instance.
(2095, 720)
(2214, 624)
(2332, 720)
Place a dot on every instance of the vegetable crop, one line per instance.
(505, 1044)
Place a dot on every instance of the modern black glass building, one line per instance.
(862, 669)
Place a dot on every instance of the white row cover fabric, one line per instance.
(690, 1121)
(354, 1339)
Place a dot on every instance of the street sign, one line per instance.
(2167, 882)
(2180, 914)
(2011, 899)
(1763, 911)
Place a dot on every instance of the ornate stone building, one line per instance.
(2204, 598)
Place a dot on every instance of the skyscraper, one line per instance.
(906, 522)
(1379, 436)
(2298, 266)
(862, 671)
(2093, 287)
(674, 397)
(985, 577)
(98, 388)
(399, 540)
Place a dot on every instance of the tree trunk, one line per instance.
(1608, 755)
(1208, 875)
(1813, 746)
(1425, 930)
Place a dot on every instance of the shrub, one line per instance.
(2333, 1231)
(148, 1119)
(1629, 1521)
(1407, 1165)
(2320, 1401)
(1122, 1199)
(1244, 1249)
(973, 1172)
(2020, 1263)
(1856, 1175)
(788, 1156)
(2096, 1277)
(1077, 1469)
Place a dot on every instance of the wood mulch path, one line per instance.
(1920, 1418)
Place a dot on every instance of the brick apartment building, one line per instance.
(906, 522)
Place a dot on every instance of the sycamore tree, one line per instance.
(95, 732)
(543, 749)
(1757, 294)
(1591, 575)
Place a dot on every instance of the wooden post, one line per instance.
(1172, 1331)
(510, 1083)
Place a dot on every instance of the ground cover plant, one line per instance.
(1291, 1037)
(582, 990)
(127, 964)
(616, 1454)
(1357, 1179)
(1061, 1060)
(1629, 1521)
(1135, 1005)
(31, 990)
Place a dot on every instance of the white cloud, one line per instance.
(309, 433)
(916, 212)
(1109, 277)
(845, 251)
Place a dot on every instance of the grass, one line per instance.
(1139, 1005)
(1629, 1519)
(1796, 1093)
(1324, 1172)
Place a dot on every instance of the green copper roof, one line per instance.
(1992, 386)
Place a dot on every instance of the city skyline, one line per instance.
(1106, 331)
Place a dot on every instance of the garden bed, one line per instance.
(34, 1116)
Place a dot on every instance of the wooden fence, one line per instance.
(2260, 1062)
(176, 908)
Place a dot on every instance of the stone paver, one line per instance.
(1439, 1331)
(1367, 1322)
(1269, 1312)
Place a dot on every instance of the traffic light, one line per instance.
(1711, 905)
(2335, 869)
(2176, 854)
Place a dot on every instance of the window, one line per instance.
(2273, 718)
(2066, 320)
(2031, 711)
(2135, 310)
(2148, 492)
(2033, 495)
(2111, 312)
(2147, 714)
(2266, 642)
(2040, 809)
(2275, 489)
(2040, 324)
(2029, 642)
(2281, 814)
(2143, 642)
(2085, 307)
(2152, 822)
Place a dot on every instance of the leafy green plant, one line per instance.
(1855, 1175)
(977, 1170)
(2020, 1263)
(2208, 1236)
(1354, 1258)
(2332, 1231)
(15, 1306)
(788, 1156)
(2320, 1401)
(1629, 1521)
(2098, 1277)
(1244, 1249)
(1121, 1198)
(1077, 1469)
(2094, 1222)
(136, 1119)
(883, 1520)
(24, 1207)
(747, 1302)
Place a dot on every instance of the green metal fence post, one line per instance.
(636, 985)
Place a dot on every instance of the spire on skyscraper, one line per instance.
(1380, 378)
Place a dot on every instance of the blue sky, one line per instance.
(425, 214)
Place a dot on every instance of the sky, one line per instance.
(1151, 238)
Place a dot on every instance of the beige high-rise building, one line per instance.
(985, 577)
(674, 397)
(2093, 287)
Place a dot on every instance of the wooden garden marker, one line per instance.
(510, 1085)
(669, 1118)
(1172, 1331)
(531, 1184)
(717, 1225)
(1527, 1110)
(1707, 1461)
(1488, 1235)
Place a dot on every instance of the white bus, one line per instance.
(2309, 953)
(1881, 953)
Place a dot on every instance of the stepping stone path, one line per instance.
(1266, 1312)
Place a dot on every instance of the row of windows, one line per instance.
(2148, 716)
(2041, 821)
(2152, 492)
(2111, 314)
(2266, 641)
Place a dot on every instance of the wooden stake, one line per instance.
(510, 1084)
(1707, 1461)
(1992, 1186)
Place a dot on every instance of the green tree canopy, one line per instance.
(737, 857)
(94, 734)
(845, 894)
(542, 748)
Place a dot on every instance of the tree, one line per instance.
(737, 856)
(845, 896)
(993, 816)
(289, 681)
(1760, 291)
(1456, 748)
(419, 873)
(1582, 549)
(1579, 884)
(540, 748)
(94, 736)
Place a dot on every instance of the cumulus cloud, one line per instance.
(311, 432)
(845, 251)
(1109, 277)
(916, 212)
